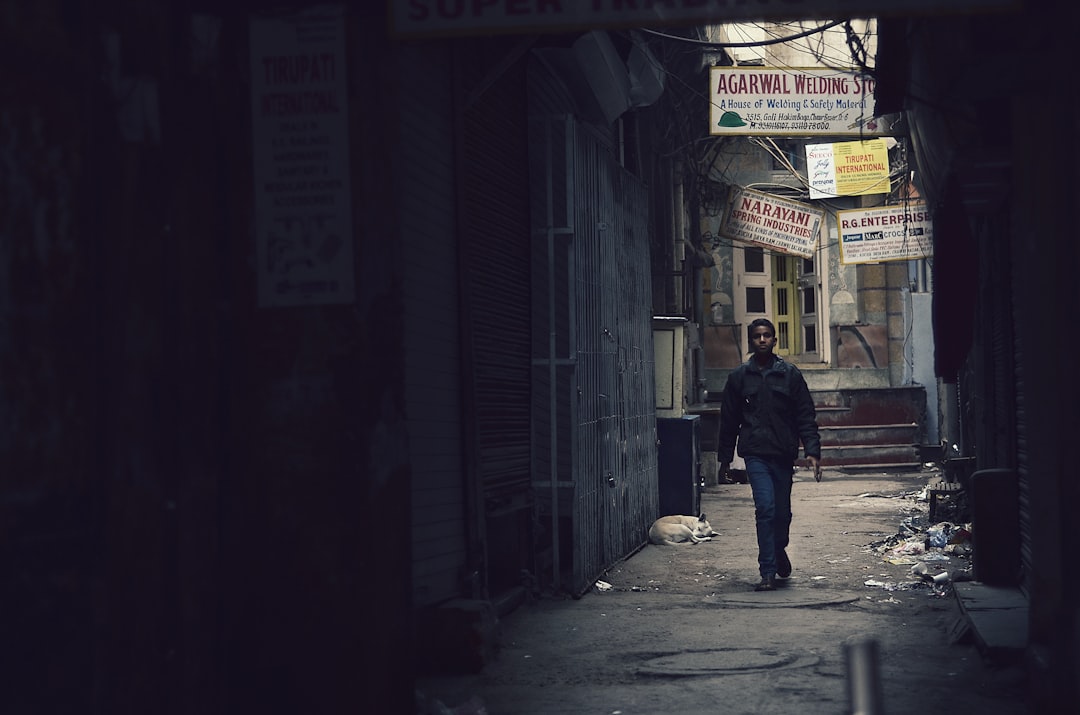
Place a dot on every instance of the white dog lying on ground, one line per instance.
(679, 529)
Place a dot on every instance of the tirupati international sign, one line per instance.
(773, 222)
(770, 101)
(847, 169)
(481, 17)
(885, 233)
(300, 158)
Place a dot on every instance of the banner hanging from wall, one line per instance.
(300, 157)
(793, 101)
(433, 18)
(848, 169)
(885, 233)
(773, 222)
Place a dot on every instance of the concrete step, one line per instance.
(999, 618)
(838, 435)
(870, 406)
(871, 454)
(891, 467)
(867, 427)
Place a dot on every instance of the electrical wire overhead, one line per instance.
(756, 43)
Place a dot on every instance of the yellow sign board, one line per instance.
(848, 169)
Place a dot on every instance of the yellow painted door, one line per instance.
(786, 308)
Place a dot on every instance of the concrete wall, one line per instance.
(922, 361)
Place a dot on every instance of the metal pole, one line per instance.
(863, 678)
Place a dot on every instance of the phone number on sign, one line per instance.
(791, 126)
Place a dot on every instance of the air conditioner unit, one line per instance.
(605, 72)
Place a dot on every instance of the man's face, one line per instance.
(762, 341)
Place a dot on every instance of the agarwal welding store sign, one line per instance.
(300, 138)
(754, 101)
(885, 233)
(773, 222)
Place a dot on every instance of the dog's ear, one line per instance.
(701, 517)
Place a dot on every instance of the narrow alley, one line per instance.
(680, 628)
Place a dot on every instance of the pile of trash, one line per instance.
(939, 555)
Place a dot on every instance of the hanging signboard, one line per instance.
(769, 101)
(300, 156)
(848, 169)
(480, 17)
(885, 233)
(772, 222)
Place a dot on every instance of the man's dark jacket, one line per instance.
(769, 411)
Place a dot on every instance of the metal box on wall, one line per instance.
(669, 350)
(678, 464)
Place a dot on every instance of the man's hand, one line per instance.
(814, 464)
(722, 477)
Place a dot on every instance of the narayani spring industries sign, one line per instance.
(754, 101)
(772, 222)
(885, 233)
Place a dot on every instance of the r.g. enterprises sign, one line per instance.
(749, 101)
(885, 233)
(772, 222)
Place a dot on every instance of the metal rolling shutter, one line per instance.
(1011, 346)
(1023, 472)
(594, 404)
(495, 275)
(495, 282)
(1004, 394)
(433, 347)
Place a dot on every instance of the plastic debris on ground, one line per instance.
(897, 585)
(918, 545)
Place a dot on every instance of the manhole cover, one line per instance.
(724, 660)
(781, 598)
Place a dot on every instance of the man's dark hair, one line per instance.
(757, 323)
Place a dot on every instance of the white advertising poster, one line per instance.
(773, 222)
(303, 212)
(848, 169)
(885, 233)
(769, 101)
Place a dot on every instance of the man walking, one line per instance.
(768, 408)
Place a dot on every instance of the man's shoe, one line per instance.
(766, 584)
(783, 564)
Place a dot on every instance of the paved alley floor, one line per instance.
(674, 629)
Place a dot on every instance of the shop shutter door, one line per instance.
(495, 274)
(433, 348)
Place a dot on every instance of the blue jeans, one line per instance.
(770, 481)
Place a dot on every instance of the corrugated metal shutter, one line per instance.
(433, 348)
(616, 495)
(495, 280)
(1001, 370)
(594, 394)
(1022, 443)
(1005, 392)
(1023, 471)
